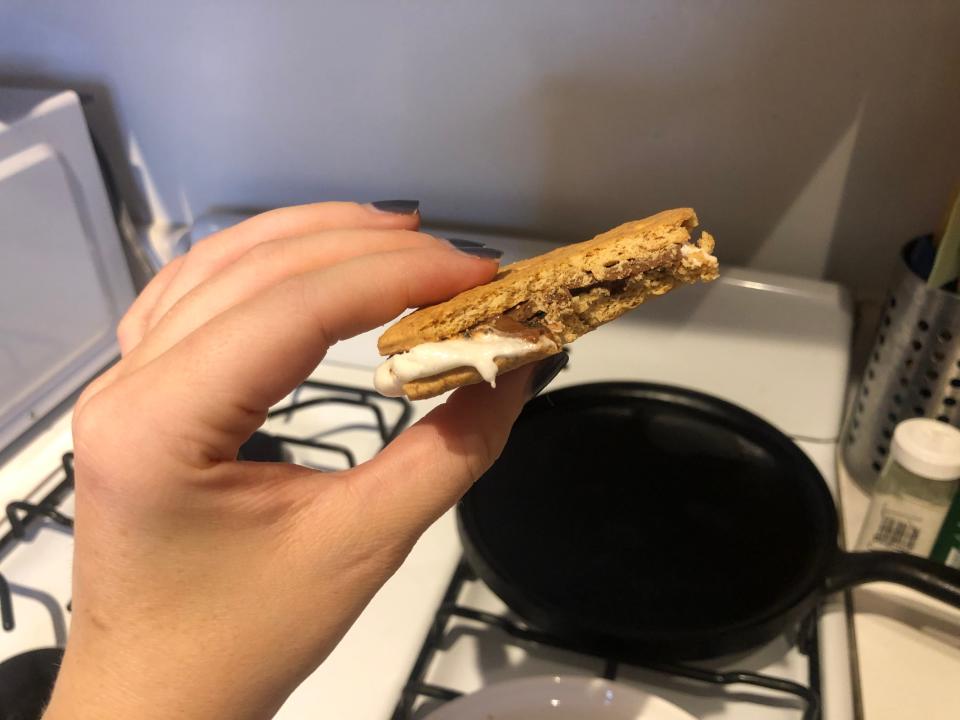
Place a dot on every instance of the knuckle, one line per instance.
(302, 302)
(85, 397)
(266, 253)
(85, 421)
(152, 318)
(271, 222)
(199, 259)
(479, 457)
(126, 332)
(350, 206)
(93, 416)
(427, 241)
(470, 455)
(94, 424)
(268, 217)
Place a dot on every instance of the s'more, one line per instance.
(533, 308)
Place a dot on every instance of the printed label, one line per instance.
(903, 524)
(896, 533)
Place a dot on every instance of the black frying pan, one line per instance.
(651, 521)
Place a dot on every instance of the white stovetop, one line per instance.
(776, 345)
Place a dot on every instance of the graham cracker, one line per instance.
(566, 292)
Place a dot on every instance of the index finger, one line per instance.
(220, 380)
(222, 248)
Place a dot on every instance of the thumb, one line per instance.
(422, 473)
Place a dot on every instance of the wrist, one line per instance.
(94, 684)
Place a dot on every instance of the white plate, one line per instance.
(560, 698)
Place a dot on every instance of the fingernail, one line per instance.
(461, 243)
(400, 207)
(546, 371)
(482, 252)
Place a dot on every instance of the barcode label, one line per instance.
(953, 558)
(895, 533)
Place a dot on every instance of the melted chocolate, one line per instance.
(509, 326)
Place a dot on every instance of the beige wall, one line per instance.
(810, 136)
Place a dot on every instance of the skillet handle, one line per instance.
(926, 576)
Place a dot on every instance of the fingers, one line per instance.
(220, 380)
(220, 249)
(422, 473)
(134, 323)
(261, 267)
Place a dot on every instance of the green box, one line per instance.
(946, 549)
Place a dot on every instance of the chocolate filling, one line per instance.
(614, 286)
(508, 326)
(622, 269)
(526, 320)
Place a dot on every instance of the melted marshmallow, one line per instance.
(478, 351)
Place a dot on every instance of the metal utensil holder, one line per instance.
(913, 371)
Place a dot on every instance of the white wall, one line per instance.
(806, 134)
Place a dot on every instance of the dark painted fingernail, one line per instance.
(546, 371)
(400, 207)
(461, 243)
(482, 252)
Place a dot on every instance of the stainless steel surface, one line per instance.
(913, 371)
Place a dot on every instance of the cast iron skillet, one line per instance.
(650, 521)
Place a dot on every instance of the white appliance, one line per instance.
(776, 345)
(65, 282)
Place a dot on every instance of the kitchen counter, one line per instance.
(906, 645)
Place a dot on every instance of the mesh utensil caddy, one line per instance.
(913, 371)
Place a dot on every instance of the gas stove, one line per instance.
(773, 344)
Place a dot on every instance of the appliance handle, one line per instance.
(925, 576)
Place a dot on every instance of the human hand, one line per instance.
(206, 587)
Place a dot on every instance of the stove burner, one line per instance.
(26, 681)
(279, 447)
(18, 531)
(262, 447)
(439, 637)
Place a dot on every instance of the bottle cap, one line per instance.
(928, 448)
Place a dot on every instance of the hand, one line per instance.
(205, 587)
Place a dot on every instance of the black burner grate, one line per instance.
(21, 516)
(417, 687)
(329, 394)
